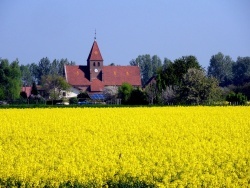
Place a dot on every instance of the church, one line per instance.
(94, 77)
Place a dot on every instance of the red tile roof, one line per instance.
(116, 75)
(95, 54)
(27, 90)
(111, 76)
(77, 75)
(96, 85)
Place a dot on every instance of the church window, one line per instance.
(98, 64)
(94, 64)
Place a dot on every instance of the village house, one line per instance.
(94, 77)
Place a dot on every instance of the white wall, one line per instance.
(73, 92)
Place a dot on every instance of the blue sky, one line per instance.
(33, 29)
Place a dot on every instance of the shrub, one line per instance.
(237, 99)
(73, 100)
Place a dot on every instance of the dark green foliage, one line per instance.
(73, 100)
(34, 90)
(220, 67)
(237, 99)
(23, 95)
(124, 92)
(10, 80)
(172, 75)
(137, 97)
(241, 71)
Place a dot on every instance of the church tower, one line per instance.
(95, 63)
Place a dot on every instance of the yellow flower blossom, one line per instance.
(159, 146)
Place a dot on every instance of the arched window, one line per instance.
(98, 64)
(94, 64)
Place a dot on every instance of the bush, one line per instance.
(73, 100)
(237, 99)
(137, 97)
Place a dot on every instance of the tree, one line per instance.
(137, 97)
(124, 92)
(34, 90)
(220, 67)
(110, 92)
(151, 91)
(44, 68)
(54, 85)
(172, 75)
(54, 70)
(148, 66)
(166, 63)
(26, 75)
(237, 99)
(197, 88)
(34, 71)
(241, 71)
(10, 80)
(156, 64)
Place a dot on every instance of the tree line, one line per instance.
(185, 81)
(46, 73)
(182, 81)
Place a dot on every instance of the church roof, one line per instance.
(77, 75)
(95, 54)
(116, 75)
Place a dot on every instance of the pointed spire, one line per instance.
(95, 54)
(95, 34)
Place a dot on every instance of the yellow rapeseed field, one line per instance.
(143, 147)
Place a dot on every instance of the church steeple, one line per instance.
(95, 62)
(95, 54)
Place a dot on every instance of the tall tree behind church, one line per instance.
(148, 66)
(220, 67)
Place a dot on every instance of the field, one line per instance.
(126, 147)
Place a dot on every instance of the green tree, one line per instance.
(54, 86)
(44, 68)
(148, 66)
(172, 75)
(34, 71)
(34, 90)
(166, 63)
(124, 92)
(10, 80)
(156, 64)
(241, 71)
(220, 67)
(237, 98)
(197, 88)
(137, 97)
(26, 75)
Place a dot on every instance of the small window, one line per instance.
(64, 94)
(94, 64)
(98, 64)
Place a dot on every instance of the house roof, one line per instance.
(27, 90)
(95, 54)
